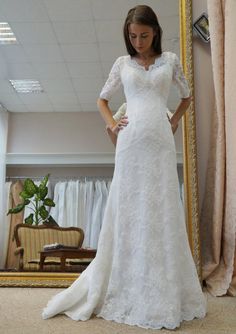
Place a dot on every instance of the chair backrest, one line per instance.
(34, 238)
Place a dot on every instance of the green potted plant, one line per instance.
(36, 196)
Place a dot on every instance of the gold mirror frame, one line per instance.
(60, 280)
(189, 137)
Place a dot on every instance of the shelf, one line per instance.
(62, 159)
(65, 159)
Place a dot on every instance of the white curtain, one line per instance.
(81, 204)
(89, 186)
(3, 202)
(58, 212)
(96, 215)
(8, 204)
(75, 204)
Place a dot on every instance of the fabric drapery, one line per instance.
(58, 212)
(14, 200)
(7, 224)
(81, 204)
(3, 204)
(89, 211)
(218, 218)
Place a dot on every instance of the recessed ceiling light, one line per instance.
(6, 34)
(26, 86)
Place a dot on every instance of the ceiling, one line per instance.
(69, 47)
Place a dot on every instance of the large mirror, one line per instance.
(106, 18)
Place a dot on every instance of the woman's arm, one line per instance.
(181, 109)
(106, 113)
(112, 135)
(112, 126)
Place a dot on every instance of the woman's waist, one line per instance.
(141, 113)
(145, 125)
(146, 133)
(141, 100)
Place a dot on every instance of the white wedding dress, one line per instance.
(143, 273)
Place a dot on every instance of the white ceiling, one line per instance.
(69, 46)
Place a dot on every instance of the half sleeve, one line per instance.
(179, 79)
(113, 82)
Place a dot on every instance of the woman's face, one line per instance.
(141, 37)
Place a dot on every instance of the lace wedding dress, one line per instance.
(143, 273)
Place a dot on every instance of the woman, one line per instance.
(143, 273)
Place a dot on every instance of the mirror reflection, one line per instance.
(68, 54)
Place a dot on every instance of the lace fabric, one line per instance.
(143, 273)
(113, 82)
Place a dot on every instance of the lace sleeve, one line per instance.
(179, 79)
(113, 82)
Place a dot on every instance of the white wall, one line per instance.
(57, 133)
(61, 133)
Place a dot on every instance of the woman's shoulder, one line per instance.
(122, 59)
(171, 58)
(170, 55)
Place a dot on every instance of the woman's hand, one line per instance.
(114, 130)
(181, 109)
(123, 122)
(174, 126)
(112, 135)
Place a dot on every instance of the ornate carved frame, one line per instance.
(189, 137)
(61, 280)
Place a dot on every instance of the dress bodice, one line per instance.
(152, 84)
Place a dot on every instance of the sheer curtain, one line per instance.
(3, 202)
(89, 186)
(58, 212)
(14, 200)
(81, 204)
(218, 219)
(8, 203)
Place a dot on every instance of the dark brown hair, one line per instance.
(143, 14)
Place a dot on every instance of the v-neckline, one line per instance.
(132, 59)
